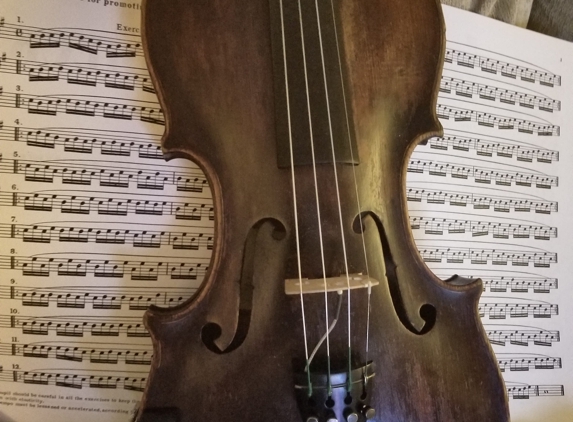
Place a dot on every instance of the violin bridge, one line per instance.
(333, 284)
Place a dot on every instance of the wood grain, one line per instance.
(212, 64)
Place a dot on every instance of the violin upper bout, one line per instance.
(393, 52)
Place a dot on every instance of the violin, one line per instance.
(316, 306)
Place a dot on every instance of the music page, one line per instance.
(492, 199)
(95, 226)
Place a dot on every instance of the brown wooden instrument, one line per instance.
(303, 114)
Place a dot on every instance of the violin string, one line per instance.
(332, 325)
(337, 192)
(355, 185)
(329, 381)
(294, 201)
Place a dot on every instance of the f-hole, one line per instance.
(427, 311)
(212, 331)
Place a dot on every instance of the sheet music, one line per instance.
(94, 225)
(490, 199)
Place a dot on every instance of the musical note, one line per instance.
(51, 105)
(122, 45)
(525, 392)
(116, 206)
(105, 297)
(90, 379)
(495, 310)
(525, 362)
(43, 233)
(112, 353)
(439, 226)
(71, 326)
(483, 175)
(92, 75)
(493, 66)
(496, 121)
(486, 148)
(520, 284)
(107, 174)
(482, 202)
(514, 283)
(84, 141)
(483, 256)
(145, 269)
(521, 336)
(468, 89)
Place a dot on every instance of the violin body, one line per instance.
(236, 350)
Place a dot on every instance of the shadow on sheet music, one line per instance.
(4, 418)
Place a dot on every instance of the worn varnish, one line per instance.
(235, 351)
